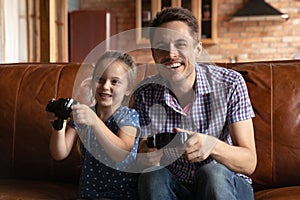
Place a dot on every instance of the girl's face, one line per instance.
(111, 86)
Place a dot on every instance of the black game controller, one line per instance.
(62, 110)
(171, 139)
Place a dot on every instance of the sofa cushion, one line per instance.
(27, 190)
(291, 193)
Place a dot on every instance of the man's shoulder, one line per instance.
(218, 73)
(213, 68)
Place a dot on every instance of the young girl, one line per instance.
(108, 131)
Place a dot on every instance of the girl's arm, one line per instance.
(117, 146)
(61, 142)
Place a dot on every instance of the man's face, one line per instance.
(173, 48)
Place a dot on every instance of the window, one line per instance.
(204, 10)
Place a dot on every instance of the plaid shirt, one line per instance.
(221, 98)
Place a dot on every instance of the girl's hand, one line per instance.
(82, 114)
(149, 156)
(51, 117)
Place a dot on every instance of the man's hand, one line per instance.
(149, 156)
(198, 147)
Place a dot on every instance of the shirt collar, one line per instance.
(201, 87)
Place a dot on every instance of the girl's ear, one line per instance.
(127, 99)
(128, 91)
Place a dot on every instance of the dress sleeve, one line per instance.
(71, 123)
(128, 117)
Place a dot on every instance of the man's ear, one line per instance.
(198, 49)
(153, 56)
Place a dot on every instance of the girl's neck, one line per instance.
(105, 112)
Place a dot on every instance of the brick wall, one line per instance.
(247, 41)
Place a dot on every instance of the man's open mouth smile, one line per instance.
(173, 65)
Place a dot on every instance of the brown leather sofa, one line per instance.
(27, 171)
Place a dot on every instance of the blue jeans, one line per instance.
(212, 181)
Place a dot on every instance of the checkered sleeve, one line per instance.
(239, 107)
(140, 105)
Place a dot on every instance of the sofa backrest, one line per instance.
(26, 88)
(274, 89)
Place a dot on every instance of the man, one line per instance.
(209, 103)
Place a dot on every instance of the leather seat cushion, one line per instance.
(291, 193)
(28, 190)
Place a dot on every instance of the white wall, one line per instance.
(13, 26)
(14, 34)
(73, 5)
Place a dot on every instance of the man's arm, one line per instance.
(239, 157)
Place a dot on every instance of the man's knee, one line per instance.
(155, 177)
(157, 184)
(214, 171)
(214, 176)
(214, 181)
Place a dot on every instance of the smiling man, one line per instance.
(209, 103)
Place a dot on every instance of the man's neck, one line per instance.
(184, 91)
